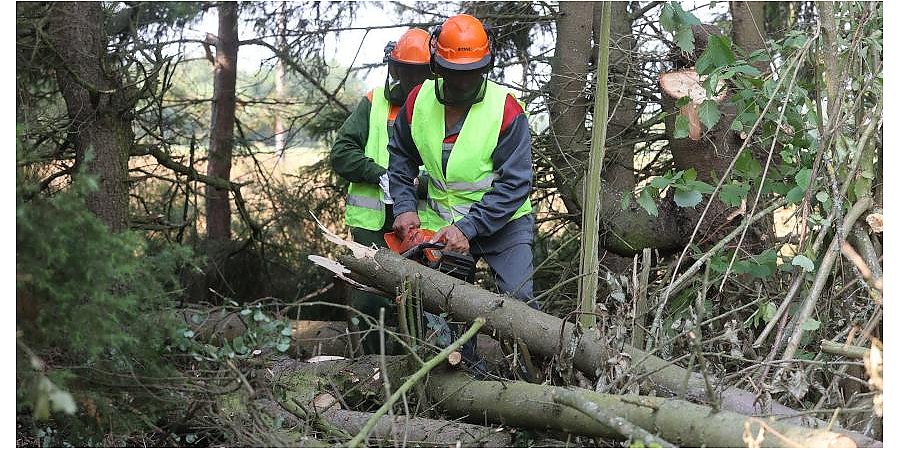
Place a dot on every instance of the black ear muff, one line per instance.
(432, 46)
(387, 51)
(491, 39)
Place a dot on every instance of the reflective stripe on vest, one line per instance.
(365, 202)
(470, 169)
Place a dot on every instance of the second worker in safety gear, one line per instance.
(360, 155)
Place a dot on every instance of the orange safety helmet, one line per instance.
(412, 48)
(462, 43)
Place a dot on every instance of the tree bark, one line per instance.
(221, 141)
(417, 432)
(279, 79)
(528, 405)
(544, 334)
(99, 109)
(618, 168)
(625, 231)
(748, 28)
(353, 381)
(569, 106)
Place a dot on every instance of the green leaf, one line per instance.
(803, 262)
(758, 55)
(795, 41)
(822, 197)
(795, 195)
(647, 202)
(260, 316)
(810, 325)
(709, 113)
(687, 199)
(682, 127)
(283, 346)
(701, 187)
(684, 38)
(711, 84)
(238, 345)
(747, 165)
(689, 176)
(719, 263)
(717, 54)
(768, 311)
(682, 101)
(732, 194)
(667, 17)
(626, 202)
(802, 178)
(747, 70)
(684, 17)
(660, 182)
(188, 334)
(737, 126)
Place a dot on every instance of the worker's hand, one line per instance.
(406, 222)
(456, 241)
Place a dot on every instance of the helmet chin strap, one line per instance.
(471, 100)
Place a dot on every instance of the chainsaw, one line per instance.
(416, 246)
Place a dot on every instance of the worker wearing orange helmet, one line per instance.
(472, 136)
(360, 155)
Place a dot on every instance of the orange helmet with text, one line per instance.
(462, 43)
(412, 48)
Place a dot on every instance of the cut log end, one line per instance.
(686, 83)
(454, 358)
(326, 401)
(876, 222)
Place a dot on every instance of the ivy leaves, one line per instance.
(678, 21)
(688, 190)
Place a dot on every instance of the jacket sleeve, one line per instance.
(512, 185)
(348, 154)
(403, 166)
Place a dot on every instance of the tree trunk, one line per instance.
(221, 140)
(279, 80)
(529, 405)
(98, 108)
(544, 334)
(355, 381)
(618, 169)
(569, 106)
(748, 28)
(625, 231)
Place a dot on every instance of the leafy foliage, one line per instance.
(90, 299)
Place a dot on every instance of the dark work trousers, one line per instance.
(509, 255)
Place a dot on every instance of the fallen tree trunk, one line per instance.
(529, 405)
(310, 385)
(418, 432)
(548, 336)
